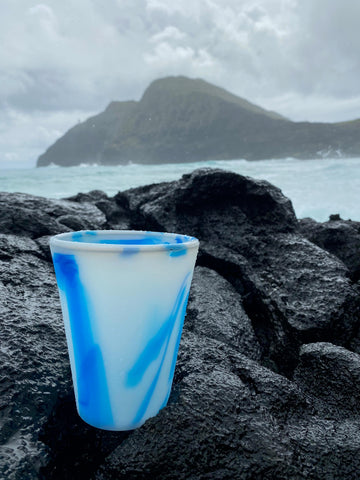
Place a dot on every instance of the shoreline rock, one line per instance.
(339, 237)
(266, 380)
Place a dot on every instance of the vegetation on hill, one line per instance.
(182, 120)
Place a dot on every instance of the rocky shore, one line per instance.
(267, 383)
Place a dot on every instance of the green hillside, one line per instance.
(181, 120)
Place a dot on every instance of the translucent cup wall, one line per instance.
(123, 297)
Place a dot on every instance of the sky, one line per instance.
(63, 61)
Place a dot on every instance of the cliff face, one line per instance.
(85, 142)
(181, 120)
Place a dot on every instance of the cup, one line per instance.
(123, 295)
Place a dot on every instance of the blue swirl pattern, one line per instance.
(160, 342)
(94, 402)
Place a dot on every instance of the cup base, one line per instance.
(115, 428)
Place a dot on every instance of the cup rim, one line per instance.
(66, 241)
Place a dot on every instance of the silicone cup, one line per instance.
(123, 297)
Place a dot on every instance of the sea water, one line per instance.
(317, 188)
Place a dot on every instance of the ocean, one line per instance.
(317, 188)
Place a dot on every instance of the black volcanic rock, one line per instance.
(232, 408)
(265, 385)
(339, 237)
(34, 366)
(226, 321)
(249, 234)
(116, 214)
(212, 202)
(318, 373)
(34, 217)
(184, 120)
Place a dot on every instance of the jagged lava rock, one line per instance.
(35, 217)
(117, 216)
(212, 201)
(227, 320)
(337, 236)
(33, 358)
(225, 420)
(294, 291)
(331, 374)
(237, 409)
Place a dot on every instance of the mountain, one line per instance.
(182, 120)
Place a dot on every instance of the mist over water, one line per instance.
(317, 188)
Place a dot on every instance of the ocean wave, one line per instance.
(87, 165)
(317, 188)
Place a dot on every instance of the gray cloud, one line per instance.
(62, 60)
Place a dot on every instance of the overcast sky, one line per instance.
(62, 61)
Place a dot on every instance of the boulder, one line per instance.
(331, 374)
(337, 236)
(293, 290)
(35, 217)
(33, 357)
(265, 385)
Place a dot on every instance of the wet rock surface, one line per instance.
(266, 383)
(35, 217)
(339, 237)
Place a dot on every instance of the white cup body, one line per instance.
(123, 297)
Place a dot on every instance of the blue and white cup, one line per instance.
(123, 297)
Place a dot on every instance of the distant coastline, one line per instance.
(180, 120)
